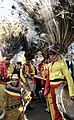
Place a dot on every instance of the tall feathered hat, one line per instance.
(57, 24)
(54, 49)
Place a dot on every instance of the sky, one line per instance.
(6, 10)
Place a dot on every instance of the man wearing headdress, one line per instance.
(26, 74)
(58, 75)
(6, 70)
(27, 71)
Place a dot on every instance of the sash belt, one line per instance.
(57, 80)
(12, 107)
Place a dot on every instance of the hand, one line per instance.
(27, 96)
(20, 109)
(29, 75)
(72, 97)
(46, 96)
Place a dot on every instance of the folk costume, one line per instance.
(13, 101)
(5, 72)
(59, 74)
(26, 74)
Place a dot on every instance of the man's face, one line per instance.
(7, 62)
(53, 57)
(46, 61)
(14, 82)
(27, 62)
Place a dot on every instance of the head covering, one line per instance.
(15, 76)
(54, 50)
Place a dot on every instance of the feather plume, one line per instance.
(57, 22)
(36, 25)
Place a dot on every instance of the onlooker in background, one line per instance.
(17, 68)
(38, 81)
(33, 80)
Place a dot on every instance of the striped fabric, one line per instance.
(12, 92)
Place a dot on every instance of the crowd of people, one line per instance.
(22, 83)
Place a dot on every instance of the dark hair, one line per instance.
(7, 58)
(52, 52)
(19, 63)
